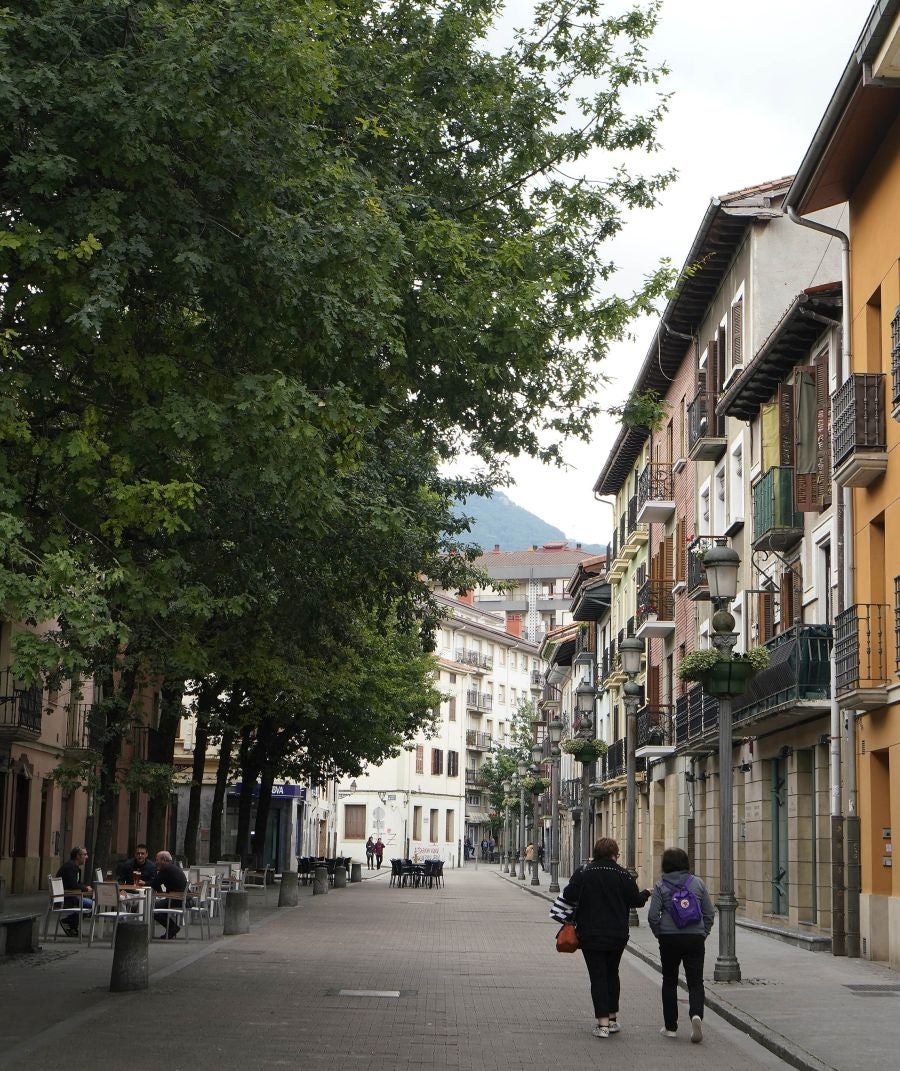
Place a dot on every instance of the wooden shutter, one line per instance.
(769, 436)
(680, 550)
(791, 596)
(765, 615)
(806, 494)
(720, 351)
(737, 333)
(354, 821)
(713, 383)
(668, 559)
(823, 429)
(652, 689)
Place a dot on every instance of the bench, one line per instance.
(19, 933)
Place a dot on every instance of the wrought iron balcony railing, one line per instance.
(697, 584)
(655, 600)
(656, 725)
(84, 728)
(478, 741)
(475, 777)
(655, 492)
(776, 524)
(474, 658)
(860, 648)
(799, 670)
(537, 678)
(696, 715)
(20, 708)
(706, 431)
(473, 697)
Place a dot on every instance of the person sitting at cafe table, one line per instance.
(168, 878)
(70, 872)
(139, 870)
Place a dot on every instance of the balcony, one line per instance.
(860, 657)
(20, 709)
(475, 659)
(706, 431)
(895, 363)
(697, 584)
(473, 697)
(475, 778)
(84, 731)
(636, 535)
(696, 721)
(476, 741)
(537, 680)
(656, 609)
(776, 524)
(796, 683)
(858, 430)
(655, 732)
(613, 765)
(551, 696)
(607, 661)
(656, 499)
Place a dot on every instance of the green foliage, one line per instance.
(642, 409)
(157, 779)
(584, 750)
(696, 664)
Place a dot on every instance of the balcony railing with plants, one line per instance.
(860, 647)
(655, 600)
(474, 658)
(656, 482)
(799, 669)
(776, 524)
(696, 715)
(475, 777)
(478, 741)
(20, 707)
(656, 725)
(706, 431)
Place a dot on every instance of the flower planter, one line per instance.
(728, 679)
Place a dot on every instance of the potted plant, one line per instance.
(721, 676)
(536, 785)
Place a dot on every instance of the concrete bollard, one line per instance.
(2, 895)
(320, 881)
(355, 873)
(237, 913)
(340, 877)
(289, 893)
(131, 961)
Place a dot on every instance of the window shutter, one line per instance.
(806, 480)
(785, 425)
(769, 435)
(713, 383)
(823, 430)
(737, 333)
(652, 686)
(354, 821)
(765, 615)
(720, 350)
(668, 562)
(680, 550)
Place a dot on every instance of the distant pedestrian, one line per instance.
(468, 850)
(370, 853)
(492, 847)
(541, 856)
(598, 898)
(379, 853)
(484, 848)
(681, 916)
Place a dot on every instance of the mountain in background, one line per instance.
(499, 520)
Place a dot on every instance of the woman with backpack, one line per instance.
(681, 914)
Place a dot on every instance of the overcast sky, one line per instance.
(750, 84)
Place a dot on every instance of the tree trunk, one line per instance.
(263, 808)
(250, 766)
(192, 826)
(117, 708)
(164, 751)
(218, 803)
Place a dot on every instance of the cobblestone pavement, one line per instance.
(467, 977)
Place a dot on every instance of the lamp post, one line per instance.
(523, 770)
(585, 698)
(507, 830)
(537, 753)
(630, 650)
(721, 565)
(556, 731)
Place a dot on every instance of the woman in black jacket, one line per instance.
(602, 894)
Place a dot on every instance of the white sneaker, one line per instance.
(601, 1031)
(696, 1029)
(669, 1033)
(614, 1027)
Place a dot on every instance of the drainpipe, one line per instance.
(845, 929)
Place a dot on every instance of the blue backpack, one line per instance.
(684, 907)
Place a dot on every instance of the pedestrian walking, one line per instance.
(598, 898)
(484, 848)
(681, 915)
(379, 853)
(370, 853)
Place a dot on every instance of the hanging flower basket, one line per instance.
(583, 750)
(728, 679)
(536, 785)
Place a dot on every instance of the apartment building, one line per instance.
(854, 157)
(431, 797)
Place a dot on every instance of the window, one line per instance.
(737, 333)
(513, 662)
(450, 827)
(513, 697)
(354, 821)
(451, 709)
(736, 481)
(437, 760)
(433, 825)
(420, 758)
(473, 798)
(501, 693)
(501, 656)
(453, 678)
(453, 764)
(417, 823)
(704, 516)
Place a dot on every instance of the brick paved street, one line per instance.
(481, 987)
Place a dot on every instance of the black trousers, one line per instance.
(675, 949)
(603, 970)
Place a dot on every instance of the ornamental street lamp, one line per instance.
(631, 649)
(507, 832)
(585, 698)
(721, 565)
(556, 731)
(537, 754)
(523, 771)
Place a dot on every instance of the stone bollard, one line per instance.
(340, 877)
(320, 880)
(237, 913)
(355, 873)
(289, 893)
(131, 961)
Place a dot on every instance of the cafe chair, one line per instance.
(109, 907)
(59, 910)
(171, 906)
(199, 906)
(257, 881)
